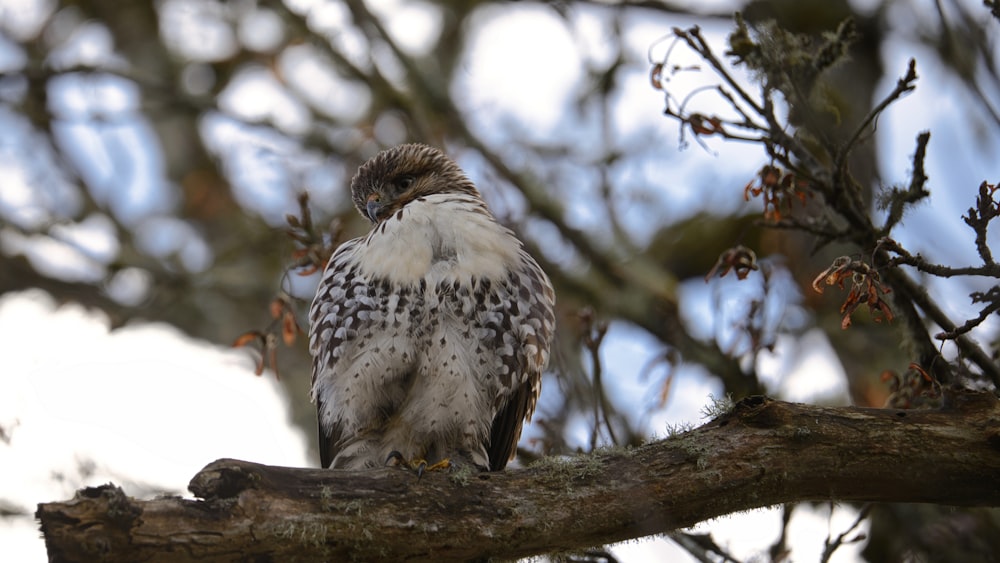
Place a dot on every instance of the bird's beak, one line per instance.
(373, 207)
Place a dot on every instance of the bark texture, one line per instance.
(762, 453)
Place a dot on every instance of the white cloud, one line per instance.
(140, 406)
(523, 64)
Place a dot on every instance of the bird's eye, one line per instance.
(404, 182)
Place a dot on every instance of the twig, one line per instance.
(701, 547)
(898, 199)
(779, 550)
(830, 546)
(992, 298)
(697, 42)
(979, 218)
(918, 295)
(903, 85)
(904, 257)
(594, 333)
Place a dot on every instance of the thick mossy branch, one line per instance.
(762, 453)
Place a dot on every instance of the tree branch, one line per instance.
(915, 294)
(763, 453)
(903, 86)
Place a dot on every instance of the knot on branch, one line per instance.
(118, 506)
(223, 478)
(758, 411)
(751, 403)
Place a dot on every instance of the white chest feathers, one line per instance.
(442, 237)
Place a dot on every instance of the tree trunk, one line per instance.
(762, 453)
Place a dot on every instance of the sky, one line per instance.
(144, 407)
(66, 414)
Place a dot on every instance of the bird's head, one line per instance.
(397, 176)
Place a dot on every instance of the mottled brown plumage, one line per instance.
(429, 335)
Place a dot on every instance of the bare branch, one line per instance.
(903, 256)
(831, 546)
(897, 200)
(992, 300)
(762, 453)
(917, 295)
(903, 86)
(979, 218)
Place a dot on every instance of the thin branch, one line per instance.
(779, 550)
(698, 44)
(594, 333)
(831, 546)
(903, 86)
(991, 298)
(918, 295)
(902, 256)
(701, 546)
(898, 199)
(979, 217)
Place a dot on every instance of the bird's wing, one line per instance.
(530, 310)
(342, 304)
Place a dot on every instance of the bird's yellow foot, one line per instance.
(439, 466)
(416, 464)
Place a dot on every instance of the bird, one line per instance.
(429, 334)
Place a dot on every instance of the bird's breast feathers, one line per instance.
(441, 237)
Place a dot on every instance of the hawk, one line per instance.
(429, 334)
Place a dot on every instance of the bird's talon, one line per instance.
(439, 466)
(420, 466)
(395, 455)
